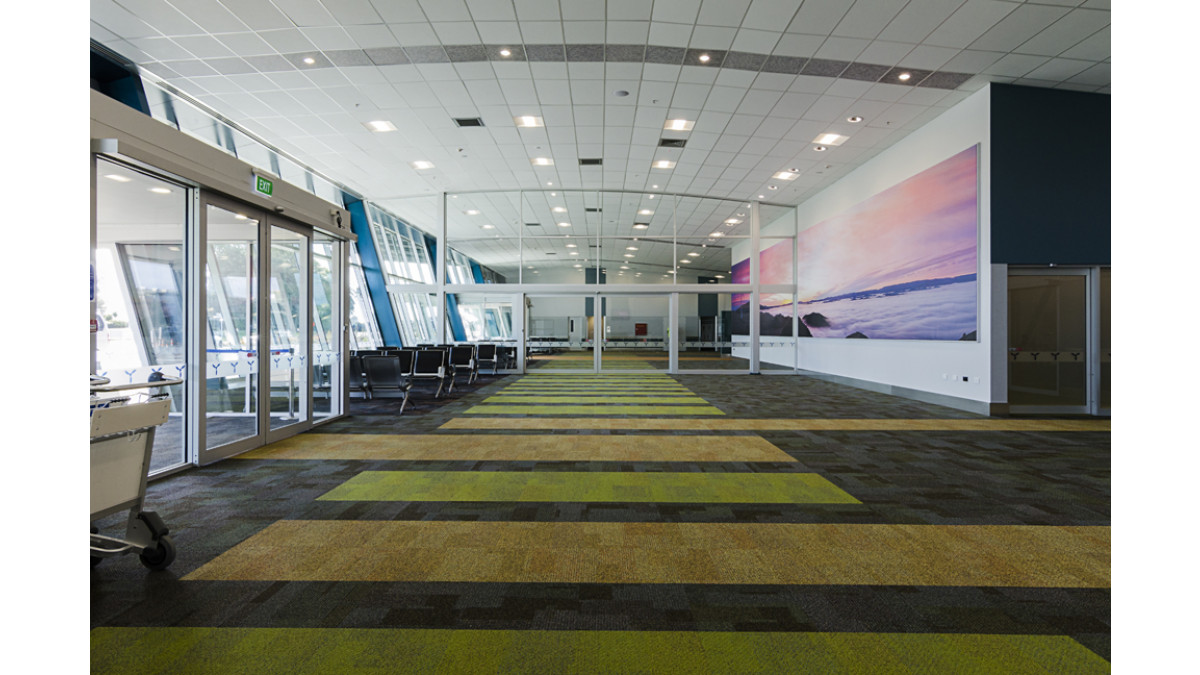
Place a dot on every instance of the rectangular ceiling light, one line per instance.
(679, 125)
(380, 125)
(422, 164)
(529, 121)
(830, 139)
(786, 175)
(664, 164)
(542, 161)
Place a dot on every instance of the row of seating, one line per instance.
(394, 370)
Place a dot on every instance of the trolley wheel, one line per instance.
(159, 557)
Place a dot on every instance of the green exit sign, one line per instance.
(263, 185)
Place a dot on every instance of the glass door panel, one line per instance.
(559, 334)
(232, 362)
(1105, 339)
(634, 332)
(1047, 327)
(705, 334)
(289, 309)
(141, 277)
(326, 326)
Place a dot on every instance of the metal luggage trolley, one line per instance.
(122, 431)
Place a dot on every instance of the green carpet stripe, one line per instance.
(589, 486)
(622, 391)
(604, 409)
(549, 398)
(354, 651)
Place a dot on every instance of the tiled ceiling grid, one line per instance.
(782, 73)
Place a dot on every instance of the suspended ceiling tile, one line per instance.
(969, 22)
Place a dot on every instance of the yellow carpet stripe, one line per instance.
(355, 651)
(590, 398)
(522, 448)
(734, 424)
(597, 409)
(669, 553)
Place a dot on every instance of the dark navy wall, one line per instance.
(1051, 186)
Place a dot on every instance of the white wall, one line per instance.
(937, 367)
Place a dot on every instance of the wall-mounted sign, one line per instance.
(262, 185)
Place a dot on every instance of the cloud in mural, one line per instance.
(900, 265)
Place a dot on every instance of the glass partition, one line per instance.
(288, 358)
(485, 318)
(232, 362)
(705, 334)
(141, 280)
(1047, 328)
(364, 329)
(559, 333)
(634, 332)
(326, 325)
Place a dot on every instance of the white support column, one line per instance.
(755, 301)
(673, 334)
(440, 265)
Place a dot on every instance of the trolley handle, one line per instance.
(165, 382)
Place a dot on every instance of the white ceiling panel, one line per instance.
(754, 114)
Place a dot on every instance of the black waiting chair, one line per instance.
(386, 374)
(355, 378)
(430, 364)
(506, 357)
(462, 362)
(485, 355)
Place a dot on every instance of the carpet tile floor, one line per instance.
(598, 524)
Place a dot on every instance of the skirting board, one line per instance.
(965, 404)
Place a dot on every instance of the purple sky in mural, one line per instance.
(922, 228)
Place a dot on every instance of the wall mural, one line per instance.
(901, 265)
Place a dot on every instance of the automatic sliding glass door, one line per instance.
(262, 316)
(634, 331)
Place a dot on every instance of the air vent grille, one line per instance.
(672, 142)
(591, 162)
(593, 209)
(468, 121)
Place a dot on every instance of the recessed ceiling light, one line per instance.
(529, 267)
(160, 190)
(631, 248)
(830, 139)
(819, 148)
(664, 164)
(578, 266)
(629, 255)
(309, 60)
(762, 196)
(717, 234)
(472, 212)
(786, 175)
(655, 187)
(571, 246)
(720, 276)
(694, 254)
(772, 187)
(529, 121)
(542, 161)
(535, 271)
(380, 125)
(624, 267)
(904, 76)
(732, 221)
(564, 224)
(640, 226)
(574, 252)
(854, 119)
(645, 212)
(422, 164)
(685, 261)
(117, 177)
(704, 58)
(559, 209)
(651, 196)
(488, 227)
(505, 52)
(679, 125)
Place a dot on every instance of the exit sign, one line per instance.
(262, 185)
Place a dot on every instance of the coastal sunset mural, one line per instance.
(901, 265)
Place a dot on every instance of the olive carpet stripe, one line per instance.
(354, 651)
(735, 424)
(589, 487)
(669, 553)
(597, 409)
(596, 398)
(522, 448)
